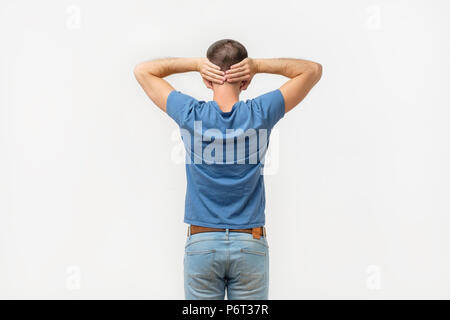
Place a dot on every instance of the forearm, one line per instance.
(287, 67)
(164, 67)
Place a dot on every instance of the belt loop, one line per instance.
(227, 231)
(256, 232)
(264, 232)
(189, 232)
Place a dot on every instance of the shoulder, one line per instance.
(177, 96)
(180, 105)
(274, 95)
(270, 106)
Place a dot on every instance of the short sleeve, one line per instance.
(179, 105)
(271, 105)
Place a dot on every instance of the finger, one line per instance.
(239, 64)
(214, 80)
(213, 75)
(209, 63)
(215, 71)
(234, 70)
(238, 79)
(237, 74)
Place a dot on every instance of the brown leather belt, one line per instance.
(256, 232)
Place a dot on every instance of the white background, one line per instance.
(92, 201)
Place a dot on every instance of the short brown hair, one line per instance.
(225, 53)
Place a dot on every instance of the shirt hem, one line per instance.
(224, 226)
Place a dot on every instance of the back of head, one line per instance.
(225, 53)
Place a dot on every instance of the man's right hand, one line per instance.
(303, 74)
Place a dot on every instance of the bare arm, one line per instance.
(150, 75)
(303, 75)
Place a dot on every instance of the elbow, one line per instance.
(144, 69)
(316, 69)
(138, 70)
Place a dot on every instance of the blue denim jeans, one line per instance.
(223, 260)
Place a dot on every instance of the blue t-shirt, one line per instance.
(225, 157)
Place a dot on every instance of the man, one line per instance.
(225, 139)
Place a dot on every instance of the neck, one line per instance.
(226, 96)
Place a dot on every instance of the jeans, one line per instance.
(223, 260)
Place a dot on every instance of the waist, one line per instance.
(257, 232)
